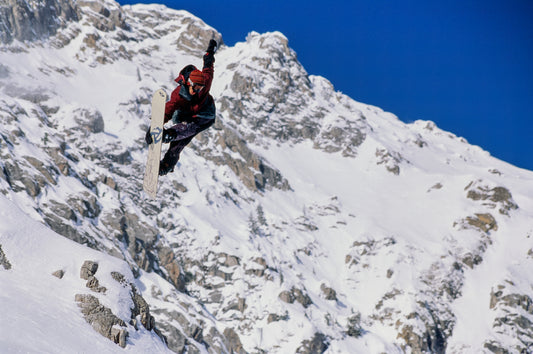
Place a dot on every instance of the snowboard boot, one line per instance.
(165, 168)
(169, 135)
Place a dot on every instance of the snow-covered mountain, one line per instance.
(302, 221)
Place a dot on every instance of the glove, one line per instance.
(209, 60)
(148, 137)
(212, 47)
(209, 56)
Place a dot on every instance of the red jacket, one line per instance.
(188, 105)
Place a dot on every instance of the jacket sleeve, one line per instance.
(208, 76)
(172, 104)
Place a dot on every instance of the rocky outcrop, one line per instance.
(104, 15)
(233, 342)
(514, 316)
(34, 19)
(4, 262)
(497, 197)
(255, 173)
(90, 121)
(391, 160)
(87, 272)
(168, 260)
(316, 345)
(102, 318)
(484, 222)
(295, 294)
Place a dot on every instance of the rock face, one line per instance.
(514, 310)
(34, 19)
(102, 318)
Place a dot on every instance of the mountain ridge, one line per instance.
(302, 221)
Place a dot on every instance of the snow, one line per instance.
(385, 242)
(39, 313)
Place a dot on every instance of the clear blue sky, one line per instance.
(467, 65)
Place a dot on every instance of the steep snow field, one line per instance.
(38, 309)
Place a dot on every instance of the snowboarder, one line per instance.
(191, 108)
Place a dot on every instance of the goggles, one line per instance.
(196, 87)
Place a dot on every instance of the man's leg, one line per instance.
(184, 133)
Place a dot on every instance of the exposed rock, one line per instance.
(59, 273)
(19, 180)
(168, 260)
(61, 162)
(415, 342)
(273, 317)
(94, 285)
(497, 197)
(232, 341)
(295, 294)
(286, 296)
(333, 138)
(251, 169)
(237, 305)
(64, 228)
(176, 340)
(391, 160)
(33, 20)
(46, 172)
(105, 16)
(433, 340)
(90, 120)
(328, 292)
(3, 260)
(316, 345)
(140, 308)
(472, 260)
(88, 269)
(354, 328)
(86, 204)
(102, 318)
(483, 222)
(495, 347)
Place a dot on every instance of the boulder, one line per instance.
(88, 269)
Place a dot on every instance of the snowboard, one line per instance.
(151, 173)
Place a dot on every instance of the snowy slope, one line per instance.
(38, 310)
(302, 221)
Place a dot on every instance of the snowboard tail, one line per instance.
(151, 174)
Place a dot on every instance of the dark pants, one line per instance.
(185, 133)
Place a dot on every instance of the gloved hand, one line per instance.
(212, 47)
(209, 56)
(148, 137)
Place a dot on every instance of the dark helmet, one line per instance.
(186, 71)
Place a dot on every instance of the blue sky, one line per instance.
(467, 65)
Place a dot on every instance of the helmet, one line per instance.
(184, 74)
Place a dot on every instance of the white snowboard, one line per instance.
(151, 174)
